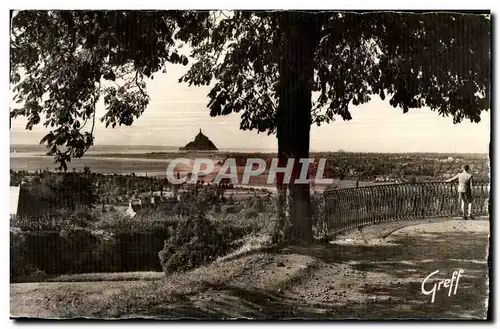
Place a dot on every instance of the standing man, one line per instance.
(464, 190)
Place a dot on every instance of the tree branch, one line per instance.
(137, 84)
(93, 115)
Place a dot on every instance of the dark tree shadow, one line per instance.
(407, 260)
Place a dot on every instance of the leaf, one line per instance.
(174, 58)
(49, 138)
(109, 75)
(184, 60)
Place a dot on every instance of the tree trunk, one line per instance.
(294, 121)
(281, 231)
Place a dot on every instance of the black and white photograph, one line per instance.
(250, 164)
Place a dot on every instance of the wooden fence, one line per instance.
(354, 207)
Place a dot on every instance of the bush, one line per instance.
(78, 244)
(113, 243)
(82, 217)
(258, 204)
(196, 241)
(260, 224)
(248, 213)
(60, 219)
(142, 222)
(35, 250)
(45, 223)
(269, 204)
(216, 208)
(88, 250)
(249, 202)
(80, 250)
(19, 265)
(229, 209)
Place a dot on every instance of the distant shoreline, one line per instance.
(154, 162)
(119, 150)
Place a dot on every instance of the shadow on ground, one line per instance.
(388, 278)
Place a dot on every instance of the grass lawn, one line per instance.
(119, 276)
(110, 298)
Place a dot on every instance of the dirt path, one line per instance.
(375, 273)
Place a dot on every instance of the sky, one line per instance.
(176, 112)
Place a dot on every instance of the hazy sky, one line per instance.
(176, 112)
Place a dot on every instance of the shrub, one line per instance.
(72, 250)
(19, 266)
(78, 244)
(249, 202)
(229, 209)
(35, 250)
(260, 224)
(44, 223)
(60, 219)
(248, 213)
(258, 204)
(269, 204)
(104, 255)
(196, 241)
(216, 208)
(142, 222)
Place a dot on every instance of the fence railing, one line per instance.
(354, 207)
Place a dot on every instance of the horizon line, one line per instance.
(267, 149)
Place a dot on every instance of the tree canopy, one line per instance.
(64, 61)
(438, 60)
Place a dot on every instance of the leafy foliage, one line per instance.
(63, 62)
(113, 189)
(439, 60)
(195, 241)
